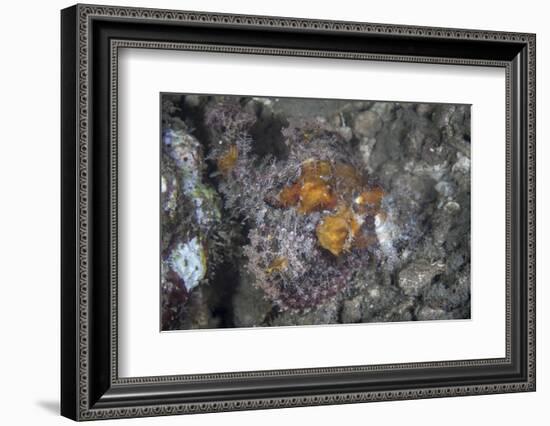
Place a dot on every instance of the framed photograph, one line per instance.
(263, 212)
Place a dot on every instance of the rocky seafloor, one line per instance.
(280, 211)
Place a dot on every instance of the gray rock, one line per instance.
(444, 222)
(380, 152)
(387, 173)
(414, 141)
(198, 312)
(401, 312)
(367, 124)
(351, 310)
(250, 308)
(413, 193)
(424, 110)
(426, 313)
(324, 314)
(385, 110)
(462, 164)
(365, 148)
(454, 262)
(449, 294)
(441, 116)
(445, 189)
(192, 100)
(346, 133)
(378, 301)
(416, 276)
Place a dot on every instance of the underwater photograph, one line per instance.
(302, 211)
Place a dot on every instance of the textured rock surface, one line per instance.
(417, 276)
(251, 309)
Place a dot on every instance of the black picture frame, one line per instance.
(90, 386)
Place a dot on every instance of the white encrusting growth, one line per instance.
(189, 262)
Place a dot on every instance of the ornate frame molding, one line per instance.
(78, 24)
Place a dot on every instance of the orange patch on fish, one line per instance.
(336, 233)
(278, 264)
(313, 191)
(316, 195)
(227, 161)
(369, 200)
